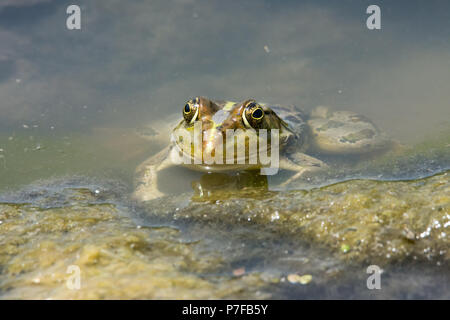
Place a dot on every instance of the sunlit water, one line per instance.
(70, 100)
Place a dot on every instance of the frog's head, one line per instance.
(210, 124)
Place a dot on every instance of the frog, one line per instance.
(300, 136)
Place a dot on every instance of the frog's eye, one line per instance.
(257, 114)
(252, 115)
(190, 111)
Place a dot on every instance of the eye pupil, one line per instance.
(257, 114)
(187, 108)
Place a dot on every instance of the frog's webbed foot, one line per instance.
(300, 163)
(146, 182)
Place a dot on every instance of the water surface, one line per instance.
(70, 101)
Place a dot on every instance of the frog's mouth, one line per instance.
(213, 150)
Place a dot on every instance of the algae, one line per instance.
(359, 220)
(117, 258)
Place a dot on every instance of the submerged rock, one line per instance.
(359, 220)
(178, 247)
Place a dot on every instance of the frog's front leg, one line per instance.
(146, 178)
(300, 163)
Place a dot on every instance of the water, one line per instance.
(70, 101)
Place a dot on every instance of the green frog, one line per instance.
(218, 125)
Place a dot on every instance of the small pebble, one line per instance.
(295, 278)
(408, 234)
(239, 272)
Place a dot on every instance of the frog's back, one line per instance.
(295, 119)
(345, 132)
(336, 133)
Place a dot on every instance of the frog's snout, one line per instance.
(212, 139)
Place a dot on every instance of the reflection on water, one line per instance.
(71, 101)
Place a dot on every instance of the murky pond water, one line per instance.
(71, 101)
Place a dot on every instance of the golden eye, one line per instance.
(190, 111)
(252, 115)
